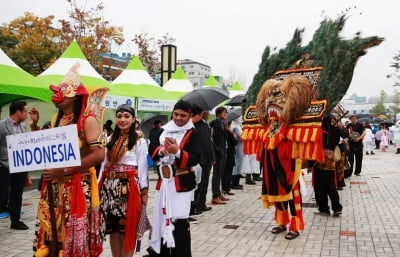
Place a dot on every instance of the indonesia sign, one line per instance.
(50, 148)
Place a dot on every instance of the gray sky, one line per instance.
(232, 34)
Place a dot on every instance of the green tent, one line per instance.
(178, 85)
(134, 81)
(15, 83)
(236, 89)
(211, 82)
(72, 55)
(139, 90)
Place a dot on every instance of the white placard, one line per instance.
(48, 148)
(145, 104)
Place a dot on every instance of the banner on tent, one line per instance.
(50, 148)
(155, 105)
(113, 101)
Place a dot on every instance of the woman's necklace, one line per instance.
(66, 119)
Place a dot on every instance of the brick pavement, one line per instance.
(369, 226)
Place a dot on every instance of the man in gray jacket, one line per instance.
(12, 185)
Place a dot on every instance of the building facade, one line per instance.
(196, 72)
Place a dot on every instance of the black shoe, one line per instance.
(237, 187)
(195, 212)
(337, 213)
(323, 213)
(250, 182)
(192, 220)
(207, 208)
(19, 225)
(372, 153)
(367, 153)
(257, 179)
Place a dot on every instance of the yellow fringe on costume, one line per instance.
(94, 188)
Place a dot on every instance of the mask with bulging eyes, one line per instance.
(275, 102)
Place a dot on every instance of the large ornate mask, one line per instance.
(283, 101)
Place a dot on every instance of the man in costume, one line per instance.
(282, 143)
(68, 210)
(324, 173)
(175, 153)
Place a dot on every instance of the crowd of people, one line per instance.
(79, 206)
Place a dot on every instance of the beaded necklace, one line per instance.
(66, 119)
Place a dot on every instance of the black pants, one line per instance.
(377, 143)
(4, 189)
(227, 177)
(12, 193)
(201, 192)
(218, 172)
(324, 187)
(355, 154)
(235, 180)
(182, 242)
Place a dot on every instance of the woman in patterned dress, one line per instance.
(124, 184)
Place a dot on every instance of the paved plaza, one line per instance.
(369, 225)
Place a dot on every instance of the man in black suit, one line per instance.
(12, 185)
(219, 136)
(199, 118)
(357, 134)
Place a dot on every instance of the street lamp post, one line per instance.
(168, 62)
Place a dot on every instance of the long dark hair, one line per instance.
(78, 102)
(132, 137)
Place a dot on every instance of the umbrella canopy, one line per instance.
(236, 100)
(72, 55)
(233, 114)
(178, 84)
(147, 123)
(15, 83)
(136, 82)
(206, 97)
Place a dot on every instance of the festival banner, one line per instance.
(113, 101)
(49, 148)
(145, 104)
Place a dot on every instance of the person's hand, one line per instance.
(33, 117)
(50, 174)
(144, 199)
(163, 151)
(171, 145)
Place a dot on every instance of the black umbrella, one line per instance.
(233, 114)
(147, 123)
(206, 97)
(236, 100)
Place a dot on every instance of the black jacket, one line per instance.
(206, 145)
(219, 136)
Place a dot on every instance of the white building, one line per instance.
(196, 72)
